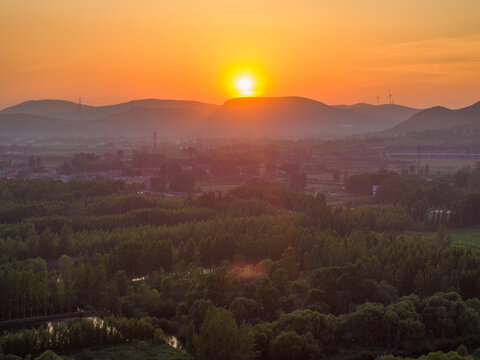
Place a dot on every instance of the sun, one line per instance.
(244, 80)
(245, 86)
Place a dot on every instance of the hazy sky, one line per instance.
(425, 52)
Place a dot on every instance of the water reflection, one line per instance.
(170, 339)
(173, 342)
(97, 322)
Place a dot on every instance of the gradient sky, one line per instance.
(425, 52)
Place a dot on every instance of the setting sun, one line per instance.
(245, 86)
(244, 79)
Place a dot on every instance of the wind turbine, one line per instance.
(390, 97)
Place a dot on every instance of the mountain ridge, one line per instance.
(292, 115)
(439, 117)
(390, 114)
(286, 116)
(68, 110)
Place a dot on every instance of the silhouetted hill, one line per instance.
(388, 115)
(43, 107)
(284, 117)
(439, 117)
(68, 110)
(141, 111)
(155, 104)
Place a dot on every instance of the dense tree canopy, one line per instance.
(264, 272)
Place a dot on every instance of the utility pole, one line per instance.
(418, 160)
(378, 99)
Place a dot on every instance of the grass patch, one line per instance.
(467, 237)
(140, 351)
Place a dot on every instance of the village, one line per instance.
(171, 168)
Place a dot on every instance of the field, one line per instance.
(443, 165)
(468, 237)
(141, 350)
(465, 237)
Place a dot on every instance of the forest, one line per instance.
(263, 272)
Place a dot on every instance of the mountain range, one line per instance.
(288, 117)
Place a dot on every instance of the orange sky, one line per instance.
(426, 52)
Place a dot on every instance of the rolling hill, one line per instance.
(439, 118)
(388, 115)
(67, 110)
(284, 117)
(45, 107)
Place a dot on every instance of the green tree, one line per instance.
(289, 262)
(66, 240)
(288, 345)
(220, 338)
(243, 309)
